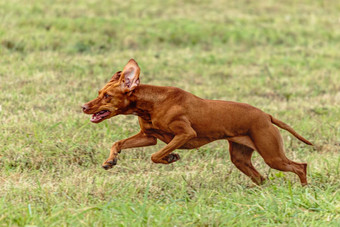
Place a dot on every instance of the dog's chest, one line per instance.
(155, 130)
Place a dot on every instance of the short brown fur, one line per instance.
(185, 121)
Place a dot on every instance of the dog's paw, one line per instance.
(108, 164)
(173, 157)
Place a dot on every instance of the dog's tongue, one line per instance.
(100, 115)
(95, 118)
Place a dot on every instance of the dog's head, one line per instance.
(113, 98)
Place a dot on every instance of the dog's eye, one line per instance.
(107, 95)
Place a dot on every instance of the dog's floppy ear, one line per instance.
(130, 76)
(116, 76)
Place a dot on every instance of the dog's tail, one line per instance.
(289, 129)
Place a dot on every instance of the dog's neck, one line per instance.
(144, 98)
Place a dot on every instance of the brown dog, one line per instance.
(185, 121)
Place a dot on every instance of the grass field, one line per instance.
(280, 56)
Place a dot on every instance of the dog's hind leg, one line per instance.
(240, 156)
(269, 144)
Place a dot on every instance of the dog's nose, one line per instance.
(85, 107)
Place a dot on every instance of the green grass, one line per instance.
(282, 57)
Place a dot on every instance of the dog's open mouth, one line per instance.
(99, 116)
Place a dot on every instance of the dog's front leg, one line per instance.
(139, 140)
(183, 133)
